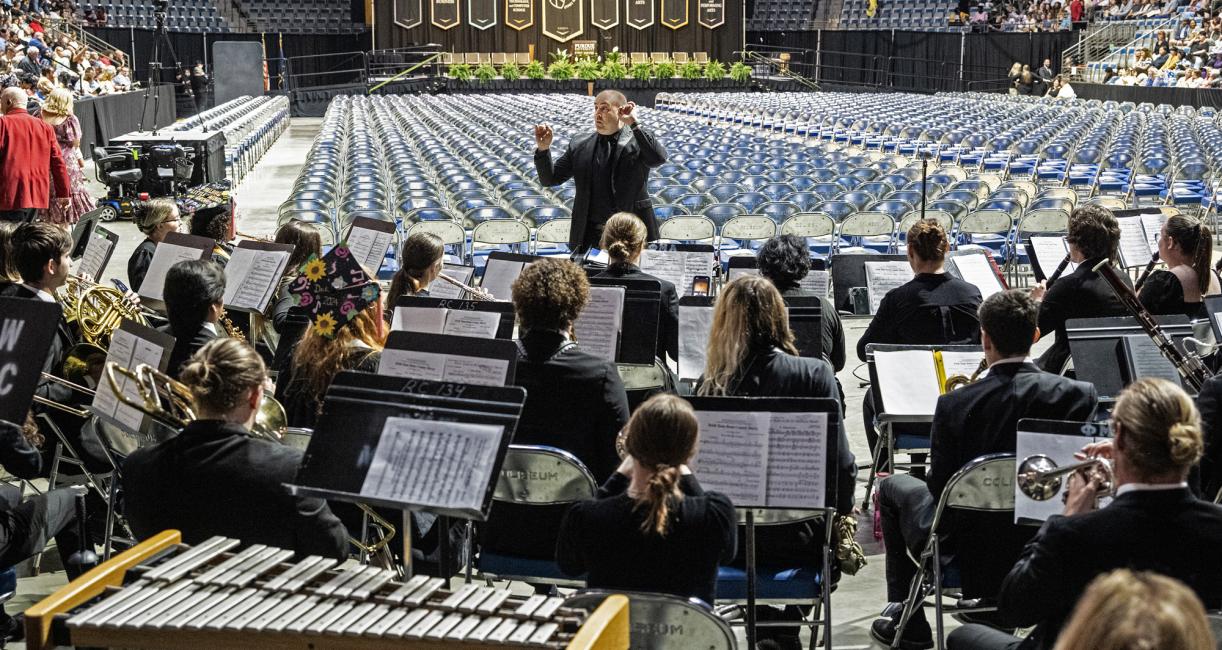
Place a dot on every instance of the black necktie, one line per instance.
(602, 152)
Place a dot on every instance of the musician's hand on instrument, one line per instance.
(625, 466)
(627, 113)
(543, 136)
(86, 277)
(1101, 449)
(1082, 496)
(1037, 292)
(132, 298)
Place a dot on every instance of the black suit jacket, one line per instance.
(1081, 294)
(668, 323)
(1209, 403)
(574, 401)
(185, 346)
(1169, 532)
(982, 418)
(636, 153)
(214, 479)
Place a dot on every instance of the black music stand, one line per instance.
(1096, 349)
(806, 322)
(642, 312)
(849, 272)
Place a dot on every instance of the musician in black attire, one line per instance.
(1185, 245)
(156, 219)
(1093, 236)
(1209, 402)
(934, 308)
(420, 262)
(785, 261)
(194, 291)
(1153, 524)
(610, 168)
(652, 527)
(624, 240)
(214, 478)
(574, 400)
(980, 418)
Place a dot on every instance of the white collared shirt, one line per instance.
(1006, 360)
(42, 295)
(1150, 487)
(211, 327)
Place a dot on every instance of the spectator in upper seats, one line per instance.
(32, 63)
(1076, 11)
(1162, 57)
(122, 82)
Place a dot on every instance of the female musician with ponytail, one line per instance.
(419, 264)
(624, 240)
(652, 528)
(1186, 246)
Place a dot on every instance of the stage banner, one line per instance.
(563, 20)
(604, 14)
(408, 13)
(640, 13)
(445, 13)
(674, 13)
(712, 13)
(481, 14)
(520, 14)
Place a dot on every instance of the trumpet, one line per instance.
(955, 382)
(1039, 477)
(476, 292)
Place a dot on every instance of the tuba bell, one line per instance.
(1039, 478)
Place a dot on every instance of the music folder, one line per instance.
(816, 281)
(368, 240)
(99, 246)
(476, 318)
(82, 231)
(1140, 230)
(679, 264)
(27, 327)
(1046, 254)
(806, 323)
(695, 323)
(767, 452)
(1058, 440)
(641, 315)
(131, 344)
(439, 357)
(907, 380)
(410, 444)
(175, 248)
(977, 268)
(253, 273)
(441, 289)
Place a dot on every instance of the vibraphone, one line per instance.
(208, 596)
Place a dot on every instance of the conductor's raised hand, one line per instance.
(543, 136)
(627, 113)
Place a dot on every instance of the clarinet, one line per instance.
(1141, 279)
(1189, 366)
(1057, 273)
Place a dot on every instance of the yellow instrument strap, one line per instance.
(940, 368)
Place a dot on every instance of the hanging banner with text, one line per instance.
(604, 14)
(563, 20)
(520, 14)
(481, 14)
(445, 13)
(711, 13)
(674, 13)
(408, 13)
(640, 13)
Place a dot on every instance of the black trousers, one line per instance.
(907, 509)
(27, 525)
(23, 214)
(868, 413)
(981, 637)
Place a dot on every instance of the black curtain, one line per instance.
(1196, 97)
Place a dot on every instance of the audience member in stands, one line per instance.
(156, 219)
(1154, 523)
(1186, 247)
(194, 293)
(88, 83)
(1060, 89)
(652, 527)
(624, 240)
(980, 418)
(30, 161)
(1124, 609)
(785, 260)
(123, 82)
(57, 112)
(32, 63)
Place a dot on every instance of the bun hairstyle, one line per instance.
(1160, 427)
(927, 240)
(221, 373)
(420, 252)
(623, 236)
(1193, 238)
(662, 436)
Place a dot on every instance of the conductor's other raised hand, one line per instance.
(543, 136)
(627, 113)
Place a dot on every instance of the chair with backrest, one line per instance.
(555, 233)
(499, 234)
(450, 233)
(817, 228)
(864, 224)
(749, 228)
(664, 622)
(984, 227)
(687, 229)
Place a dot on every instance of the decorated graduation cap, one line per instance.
(333, 289)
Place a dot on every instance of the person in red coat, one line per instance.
(29, 161)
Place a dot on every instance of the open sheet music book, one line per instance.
(99, 246)
(1059, 441)
(816, 281)
(599, 325)
(977, 269)
(1140, 358)
(368, 240)
(253, 274)
(911, 380)
(441, 289)
(695, 323)
(437, 357)
(430, 319)
(1046, 254)
(175, 248)
(678, 263)
(1139, 235)
(882, 277)
(130, 345)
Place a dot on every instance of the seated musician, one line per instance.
(1127, 609)
(934, 308)
(574, 400)
(194, 290)
(785, 261)
(751, 353)
(420, 262)
(40, 253)
(624, 240)
(1153, 524)
(980, 418)
(1093, 236)
(652, 527)
(156, 219)
(213, 223)
(1186, 246)
(1209, 402)
(306, 243)
(346, 332)
(214, 478)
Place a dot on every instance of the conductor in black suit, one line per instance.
(980, 418)
(610, 168)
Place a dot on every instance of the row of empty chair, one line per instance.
(251, 125)
(181, 15)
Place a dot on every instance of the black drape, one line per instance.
(1196, 97)
(110, 116)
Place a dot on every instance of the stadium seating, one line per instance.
(181, 16)
(301, 16)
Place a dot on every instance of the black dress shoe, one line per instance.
(12, 628)
(917, 635)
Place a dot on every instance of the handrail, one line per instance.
(786, 71)
(435, 57)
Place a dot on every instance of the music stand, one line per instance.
(642, 312)
(465, 359)
(1095, 347)
(82, 231)
(849, 272)
(806, 322)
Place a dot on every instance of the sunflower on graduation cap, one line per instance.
(333, 290)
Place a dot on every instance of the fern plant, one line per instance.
(588, 69)
(461, 71)
(691, 70)
(714, 70)
(485, 72)
(510, 71)
(535, 70)
(613, 69)
(642, 71)
(561, 70)
(664, 70)
(614, 56)
(740, 72)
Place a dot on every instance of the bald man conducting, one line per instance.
(29, 161)
(610, 168)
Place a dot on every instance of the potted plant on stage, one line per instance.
(642, 72)
(740, 72)
(511, 72)
(692, 73)
(588, 69)
(664, 70)
(714, 70)
(562, 69)
(614, 69)
(485, 73)
(535, 72)
(461, 72)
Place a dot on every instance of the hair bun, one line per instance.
(1184, 443)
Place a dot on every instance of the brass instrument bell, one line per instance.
(1039, 477)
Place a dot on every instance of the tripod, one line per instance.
(160, 36)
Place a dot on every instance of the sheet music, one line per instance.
(499, 276)
(737, 272)
(882, 277)
(1049, 252)
(97, 253)
(166, 255)
(976, 270)
(441, 289)
(469, 322)
(733, 455)
(694, 326)
(677, 267)
(907, 381)
(961, 363)
(817, 282)
(476, 370)
(369, 247)
(1152, 223)
(1147, 361)
(127, 350)
(443, 367)
(1061, 450)
(252, 276)
(1134, 248)
(432, 463)
(797, 457)
(419, 319)
(599, 325)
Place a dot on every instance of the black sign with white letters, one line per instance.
(27, 326)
